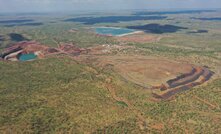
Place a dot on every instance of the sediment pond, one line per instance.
(27, 57)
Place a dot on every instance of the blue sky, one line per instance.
(85, 5)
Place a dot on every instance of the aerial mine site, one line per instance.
(119, 69)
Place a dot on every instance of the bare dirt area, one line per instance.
(144, 71)
(165, 77)
(138, 38)
(12, 53)
(106, 49)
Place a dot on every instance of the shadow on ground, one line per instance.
(1, 38)
(112, 19)
(208, 19)
(174, 12)
(157, 28)
(15, 21)
(199, 31)
(17, 37)
(24, 24)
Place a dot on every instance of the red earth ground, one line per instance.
(166, 76)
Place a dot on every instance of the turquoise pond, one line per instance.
(113, 31)
(27, 57)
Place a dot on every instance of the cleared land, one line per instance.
(138, 38)
(143, 70)
(148, 72)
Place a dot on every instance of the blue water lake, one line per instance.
(113, 31)
(27, 57)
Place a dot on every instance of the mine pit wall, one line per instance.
(186, 78)
(170, 82)
(13, 56)
(206, 75)
(10, 52)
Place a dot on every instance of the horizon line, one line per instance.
(109, 11)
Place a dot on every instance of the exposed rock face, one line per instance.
(197, 76)
(12, 53)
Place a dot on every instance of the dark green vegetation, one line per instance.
(54, 95)
(60, 95)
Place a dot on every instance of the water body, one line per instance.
(113, 19)
(113, 31)
(157, 28)
(27, 57)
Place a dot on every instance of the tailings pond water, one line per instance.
(27, 57)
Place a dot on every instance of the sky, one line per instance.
(96, 5)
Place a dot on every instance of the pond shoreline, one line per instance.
(115, 31)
